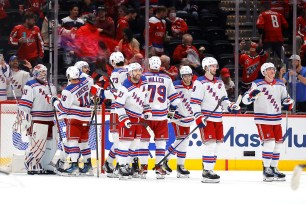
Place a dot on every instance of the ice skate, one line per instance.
(208, 176)
(109, 169)
(278, 176)
(116, 171)
(87, 169)
(182, 172)
(143, 171)
(73, 170)
(135, 168)
(267, 174)
(167, 167)
(123, 172)
(160, 172)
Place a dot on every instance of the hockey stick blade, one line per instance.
(296, 176)
(99, 71)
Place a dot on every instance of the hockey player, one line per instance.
(207, 91)
(75, 104)
(83, 67)
(161, 90)
(4, 78)
(118, 75)
(269, 95)
(131, 104)
(181, 126)
(36, 115)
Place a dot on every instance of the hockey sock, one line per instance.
(133, 150)
(181, 151)
(160, 150)
(112, 153)
(72, 149)
(123, 151)
(276, 154)
(85, 151)
(171, 149)
(208, 157)
(218, 145)
(143, 152)
(267, 152)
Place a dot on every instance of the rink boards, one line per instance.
(241, 149)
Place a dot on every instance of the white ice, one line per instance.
(245, 187)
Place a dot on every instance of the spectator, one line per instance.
(18, 77)
(4, 4)
(88, 7)
(251, 63)
(197, 70)
(300, 75)
(187, 50)
(137, 58)
(106, 23)
(123, 23)
(166, 68)
(4, 78)
(228, 83)
(27, 38)
(128, 45)
(301, 30)
(34, 6)
(70, 23)
(270, 25)
(178, 26)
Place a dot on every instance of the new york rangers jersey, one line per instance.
(161, 89)
(34, 100)
(132, 99)
(4, 79)
(267, 107)
(205, 97)
(184, 92)
(18, 80)
(117, 77)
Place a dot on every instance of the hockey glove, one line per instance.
(201, 122)
(51, 99)
(288, 104)
(125, 123)
(23, 120)
(95, 90)
(253, 95)
(233, 108)
(171, 111)
(147, 114)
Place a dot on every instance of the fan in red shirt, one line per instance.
(123, 22)
(270, 25)
(106, 23)
(300, 30)
(178, 25)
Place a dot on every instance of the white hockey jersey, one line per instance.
(118, 76)
(34, 100)
(132, 99)
(185, 95)
(161, 89)
(75, 100)
(4, 80)
(267, 107)
(205, 97)
(18, 79)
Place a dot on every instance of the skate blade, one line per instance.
(182, 176)
(123, 177)
(206, 180)
(144, 176)
(158, 176)
(279, 179)
(136, 176)
(268, 179)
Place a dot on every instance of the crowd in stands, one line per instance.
(90, 30)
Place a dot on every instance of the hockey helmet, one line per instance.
(115, 58)
(134, 66)
(40, 72)
(81, 64)
(154, 63)
(72, 72)
(265, 66)
(185, 70)
(207, 62)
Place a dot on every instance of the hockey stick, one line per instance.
(97, 141)
(295, 180)
(194, 129)
(99, 71)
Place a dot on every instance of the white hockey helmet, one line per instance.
(265, 66)
(40, 72)
(115, 58)
(72, 72)
(81, 64)
(185, 70)
(133, 66)
(154, 63)
(207, 61)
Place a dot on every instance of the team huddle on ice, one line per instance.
(139, 99)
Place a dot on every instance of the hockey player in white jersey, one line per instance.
(118, 76)
(4, 78)
(182, 123)
(84, 68)
(161, 90)
(131, 103)
(207, 91)
(269, 95)
(75, 104)
(36, 115)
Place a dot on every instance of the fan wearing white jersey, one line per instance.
(131, 103)
(207, 91)
(36, 115)
(118, 76)
(4, 78)
(161, 90)
(75, 104)
(269, 95)
(182, 123)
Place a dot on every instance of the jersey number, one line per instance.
(161, 90)
(84, 100)
(275, 23)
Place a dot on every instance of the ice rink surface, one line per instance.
(235, 187)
